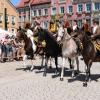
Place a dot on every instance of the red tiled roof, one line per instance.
(32, 2)
(21, 3)
(35, 2)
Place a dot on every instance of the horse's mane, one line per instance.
(48, 34)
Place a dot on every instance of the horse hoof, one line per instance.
(32, 68)
(85, 84)
(50, 67)
(56, 72)
(61, 79)
(44, 75)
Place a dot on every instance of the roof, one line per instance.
(21, 3)
(32, 2)
(36, 2)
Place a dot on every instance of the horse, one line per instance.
(21, 35)
(51, 48)
(89, 52)
(69, 50)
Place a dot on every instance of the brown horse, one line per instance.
(27, 47)
(89, 53)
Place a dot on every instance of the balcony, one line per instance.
(87, 12)
(69, 13)
(79, 13)
(62, 1)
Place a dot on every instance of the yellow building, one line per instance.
(10, 22)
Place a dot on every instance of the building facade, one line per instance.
(8, 16)
(30, 10)
(46, 10)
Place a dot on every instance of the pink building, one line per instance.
(40, 10)
(45, 10)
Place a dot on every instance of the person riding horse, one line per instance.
(53, 28)
(96, 30)
(86, 27)
(75, 26)
(30, 35)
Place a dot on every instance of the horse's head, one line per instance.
(41, 33)
(60, 34)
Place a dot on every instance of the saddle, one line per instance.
(79, 45)
(97, 47)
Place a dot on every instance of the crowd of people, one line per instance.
(11, 49)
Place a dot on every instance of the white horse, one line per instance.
(69, 49)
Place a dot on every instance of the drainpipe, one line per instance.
(30, 12)
(92, 9)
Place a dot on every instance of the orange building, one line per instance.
(10, 22)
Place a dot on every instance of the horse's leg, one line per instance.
(24, 59)
(45, 68)
(56, 63)
(87, 73)
(50, 59)
(73, 60)
(42, 62)
(77, 62)
(32, 67)
(69, 60)
(62, 70)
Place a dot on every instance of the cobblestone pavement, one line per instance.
(17, 84)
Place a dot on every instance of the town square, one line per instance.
(49, 49)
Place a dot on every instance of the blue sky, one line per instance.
(15, 2)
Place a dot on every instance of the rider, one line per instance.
(96, 30)
(53, 28)
(86, 27)
(67, 27)
(75, 26)
(30, 35)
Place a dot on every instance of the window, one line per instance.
(54, 11)
(88, 7)
(39, 12)
(22, 18)
(0, 18)
(97, 6)
(45, 25)
(34, 13)
(45, 11)
(80, 8)
(13, 20)
(7, 18)
(12, 30)
(80, 23)
(62, 10)
(70, 9)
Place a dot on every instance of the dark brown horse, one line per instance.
(89, 53)
(51, 49)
